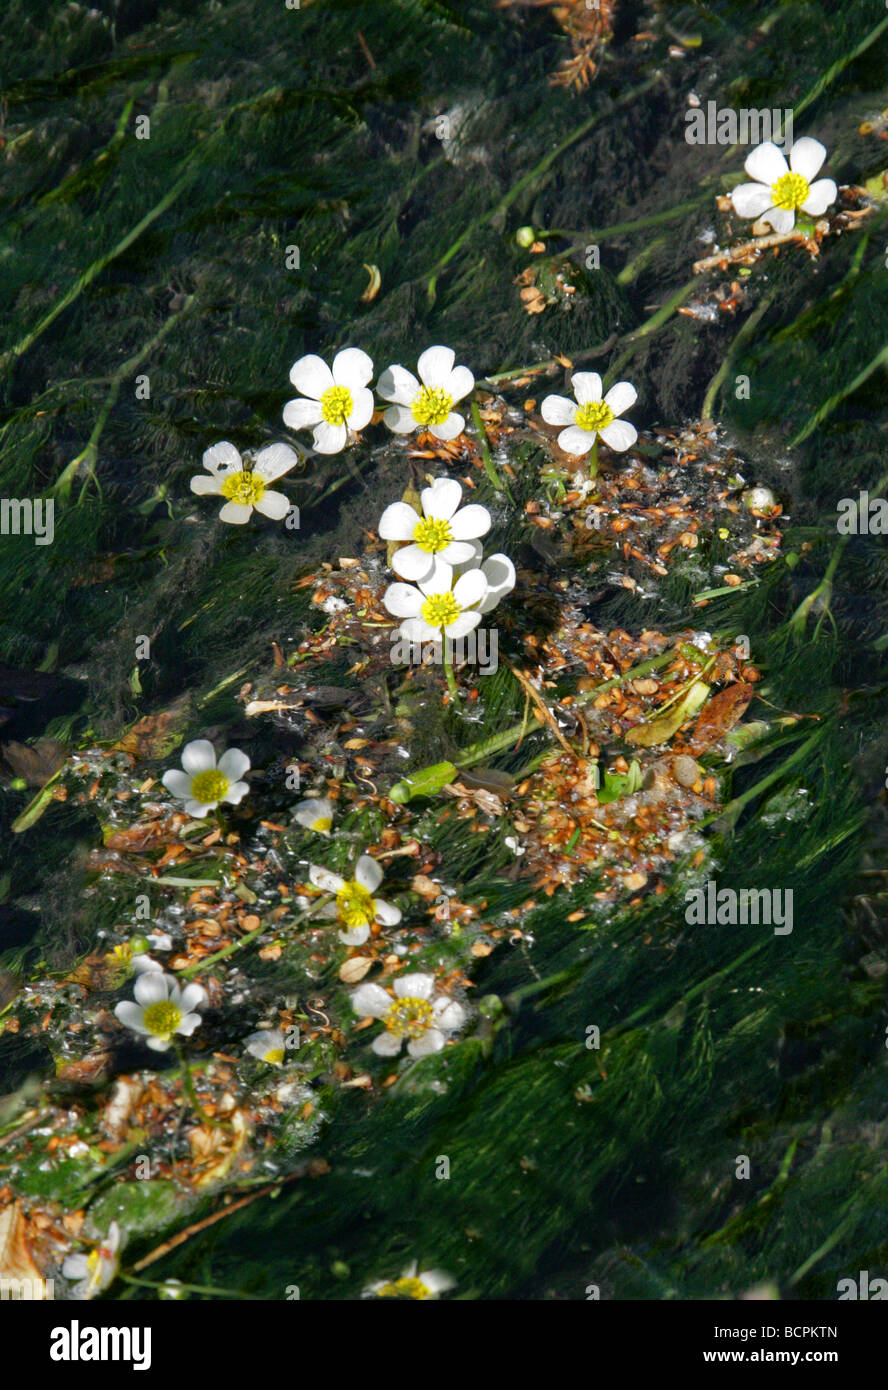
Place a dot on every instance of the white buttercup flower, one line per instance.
(334, 401)
(438, 605)
(428, 402)
(589, 416)
(204, 782)
(315, 813)
(246, 488)
(444, 531)
(268, 1045)
(781, 189)
(498, 572)
(355, 906)
(96, 1270)
(429, 1283)
(162, 1009)
(412, 1012)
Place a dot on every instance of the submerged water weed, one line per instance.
(444, 531)
(335, 401)
(412, 1012)
(427, 403)
(355, 907)
(781, 190)
(244, 487)
(205, 783)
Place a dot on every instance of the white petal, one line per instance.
(500, 575)
(311, 376)
(200, 809)
(272, 463)
(441, 581)
(398, 522)
(352, 368)
(621, 397)
(470, 522)
(573, 440)
(222, 457)
(368, 873)
(233, 764)
(442, 498)
(459, 383)
(386, 913)
(402, 600)
(323, 878)
(619, 435)
(781, 219)
(274, 505)
(131, 1015)
(235, 513)
(806, 157)
(751, 199)
(418, 630)
(766, 164)
(329, 439)
(386, 1045)
(188, 1023)
(399, 419)
(362, 408)
(205, 486)
(558, 410)
(415, 986)
(431, 1041)
(75, 1267)
(356, 937)
(452, 427)
(586, 386)
(458, 553)
(302, 414)
(435, 365)
(436, 1281)
(191, 996)
(398, 385)
(179, 783)
(236, 793)
(412, 563)
(462, 625)
(371, 1001)
(158, 1044)
(198, 756)
(151, 988)
(820, 195)
(449, 1015)
(470, 588)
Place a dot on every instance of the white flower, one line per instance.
(162, 1010)
(444, 531)
(245, 488)
(315, 813)
(431, 403)
(355, 905)
(780, 188)
(413, 1012)
(96, 1270)
(205, 783)
(268, 1045)
(334, 401)
(590, 416)
(160, 941)
(515, 846)
(438, 604)
(499, 575)
(429, 1283)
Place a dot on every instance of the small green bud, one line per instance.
(525, 236)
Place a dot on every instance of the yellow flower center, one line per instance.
(594, 416)
(404, 1288)
(247, 488)
(322, 824)
(431, 406)
(439, 610)
(162, 1018)
(209, 786)
(790, 191)
(274, 1055)
(355, 905)
(409, 1017)
(336, 405)
(432, 534)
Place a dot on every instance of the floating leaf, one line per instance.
(661, 729)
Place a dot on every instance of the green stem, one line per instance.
(593, 459)
(188, 1086)
(448, 670)
(487, 457)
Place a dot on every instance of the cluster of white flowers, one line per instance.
(452, 587)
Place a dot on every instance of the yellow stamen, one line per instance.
(209, 786)
(409, 1017)
(404, 1288)
(431, 406)
(162, 1018)
(355, 905)
(432, 534)
(246, 488)
(440, 610)
(594, 416)
(275, 1055)
(790, 191)
(322, 824)
(336, 405)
